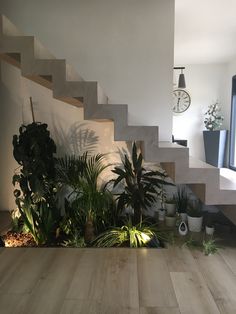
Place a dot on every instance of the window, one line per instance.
(232, 144)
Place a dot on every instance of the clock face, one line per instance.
(182, 101)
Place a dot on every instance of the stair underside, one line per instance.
(39, 65)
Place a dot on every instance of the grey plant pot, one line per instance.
(170, 221)
(215, 144)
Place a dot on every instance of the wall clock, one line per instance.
(182, 101)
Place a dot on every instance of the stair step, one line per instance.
(117, 113)
(197, 163)
(227, 179)
(213, 186)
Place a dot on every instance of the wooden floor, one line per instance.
(110, 281)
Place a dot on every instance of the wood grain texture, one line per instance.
(179, 259)
(220, 280)
(112, 275)
(229, 257)
(159, 310)
(120, 281)
(28, 271)
(192, 294)
(155, 286)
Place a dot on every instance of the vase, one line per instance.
(183, 229)
(195, 224)
(215, 144)
(170, 221)
(161, 214)
(170, 209)
(210, 230)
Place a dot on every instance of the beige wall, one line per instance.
(126, 45)
(71, 133)
(205, 84)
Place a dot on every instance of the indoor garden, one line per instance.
(62, 201)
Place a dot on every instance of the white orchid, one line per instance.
(213, 119)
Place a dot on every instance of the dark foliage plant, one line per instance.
(35, 191)
(140, 185)
(182, 200)
(195, 209)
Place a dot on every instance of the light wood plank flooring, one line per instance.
(109, 281)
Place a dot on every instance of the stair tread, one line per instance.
(227, 179)
(69, 86)
(163, 144)
(197, 163)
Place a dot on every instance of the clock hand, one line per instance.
(178, 103)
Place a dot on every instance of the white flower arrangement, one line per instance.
(213, 118)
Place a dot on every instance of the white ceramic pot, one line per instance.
(170, 209)
(210, 230)
(183, 217)
(183, 229)
(195, 224)
(161, 214)
(170, 221)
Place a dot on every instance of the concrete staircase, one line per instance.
(39, 65)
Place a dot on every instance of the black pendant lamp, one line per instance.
(181, 83)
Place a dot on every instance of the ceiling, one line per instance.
(205, 31)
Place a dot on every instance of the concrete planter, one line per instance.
(210, 230)
(215, 144)
(161, 214)
(170, 209)
(170, 221)
(195, 224)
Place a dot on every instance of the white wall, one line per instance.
(205, 83)
(126, 45)
(65, 123)
(227, 90)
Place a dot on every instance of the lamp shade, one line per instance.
(182, 83)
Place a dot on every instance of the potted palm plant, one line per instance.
(87, 198)
(195, 216)
(182, 200)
